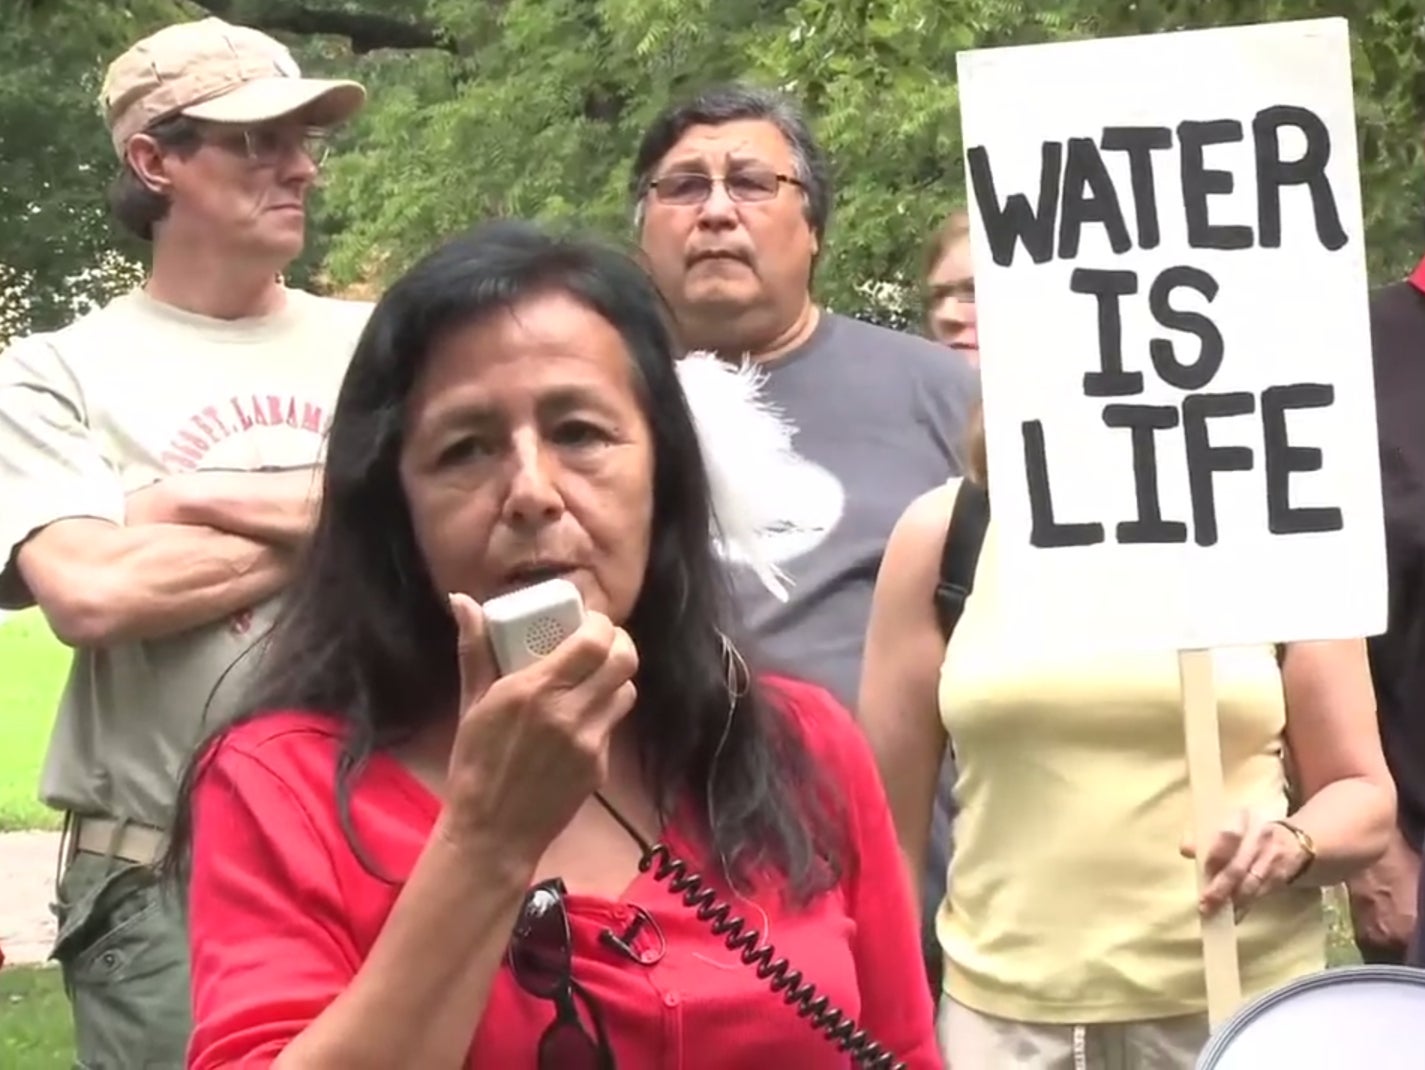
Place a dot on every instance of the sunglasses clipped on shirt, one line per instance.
(540, 956)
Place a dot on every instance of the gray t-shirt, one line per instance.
(880, 418)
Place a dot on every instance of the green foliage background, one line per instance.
(533, 107)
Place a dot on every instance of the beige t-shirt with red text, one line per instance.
(130, 393)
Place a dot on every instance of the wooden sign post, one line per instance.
(1179, 405)
(1209, 806)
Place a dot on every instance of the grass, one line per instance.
(35, 1032)
(35, 1028)
(32, 669)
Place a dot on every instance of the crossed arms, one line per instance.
(194, 548)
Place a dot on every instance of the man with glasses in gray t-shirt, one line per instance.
(732, 195)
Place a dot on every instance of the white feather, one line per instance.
(747, 447)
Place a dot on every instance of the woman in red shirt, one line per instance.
(401, 860)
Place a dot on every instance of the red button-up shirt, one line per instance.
(283, 915)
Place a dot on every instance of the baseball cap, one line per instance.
(210, 69)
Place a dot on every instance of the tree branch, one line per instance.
(366, 31)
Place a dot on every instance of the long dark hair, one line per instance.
(365, 637)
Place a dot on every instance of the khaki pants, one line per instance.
(123, 949)
(973, 1041)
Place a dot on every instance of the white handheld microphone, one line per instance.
(527, 624)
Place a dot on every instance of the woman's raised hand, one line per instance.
(532, 746)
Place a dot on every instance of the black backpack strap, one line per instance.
(958, 560)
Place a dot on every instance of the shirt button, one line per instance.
(671, 999)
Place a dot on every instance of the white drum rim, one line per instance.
(1324, 979)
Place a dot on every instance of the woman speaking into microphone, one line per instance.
(399, 859)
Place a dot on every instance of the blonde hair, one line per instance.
(976, 467)
(956, 227)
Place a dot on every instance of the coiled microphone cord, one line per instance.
(785, 981)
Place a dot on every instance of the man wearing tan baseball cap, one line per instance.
(159, 470)
(217, 72)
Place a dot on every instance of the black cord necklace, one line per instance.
(644, 845)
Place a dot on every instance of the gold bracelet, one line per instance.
(1308, 848)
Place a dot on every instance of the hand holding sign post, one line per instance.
(1179, 403)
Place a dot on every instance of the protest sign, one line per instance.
(1179, 400)
(1172, 297)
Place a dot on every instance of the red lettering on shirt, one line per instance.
(212, 424)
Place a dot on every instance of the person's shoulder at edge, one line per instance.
(290, 743)
(928, 514)
(97, 323)
(27, 350)
(1396, 288)
(911, 565)
(1397, 304)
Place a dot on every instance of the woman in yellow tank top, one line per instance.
(1071, 930)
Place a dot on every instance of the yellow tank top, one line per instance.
(1069, 901)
